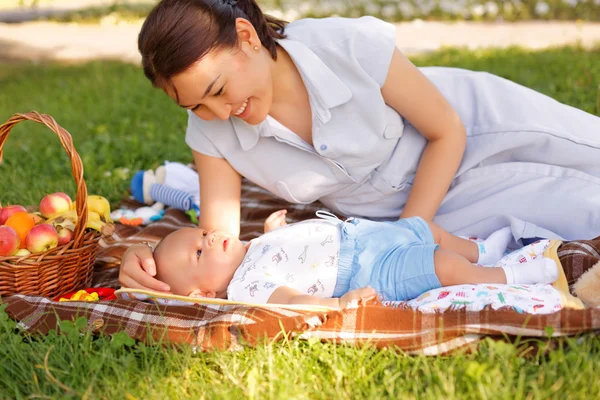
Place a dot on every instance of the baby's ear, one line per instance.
(201, 293)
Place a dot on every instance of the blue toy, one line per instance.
(173, 185)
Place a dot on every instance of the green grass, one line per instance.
(118, 121)
(79, 366)
(116, 118)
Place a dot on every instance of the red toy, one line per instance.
(89, 294)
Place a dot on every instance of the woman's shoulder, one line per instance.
(325, 31)
(337, 41)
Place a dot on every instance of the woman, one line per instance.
(331, 110)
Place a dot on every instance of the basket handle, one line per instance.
(76, 165)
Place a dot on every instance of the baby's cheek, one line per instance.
(194, 277)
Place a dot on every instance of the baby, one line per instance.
(330, 262)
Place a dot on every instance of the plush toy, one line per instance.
(140, 216)
(174, 185)
(587, 287)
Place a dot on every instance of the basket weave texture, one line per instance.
(64, 268)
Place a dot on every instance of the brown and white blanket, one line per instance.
(230, 327)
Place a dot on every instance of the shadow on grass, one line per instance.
(87, 14)
(15, 52)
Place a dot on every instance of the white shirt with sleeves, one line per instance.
(521, 145)
(344, 64)
(302, 256)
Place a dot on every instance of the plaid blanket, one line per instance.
(231, 327)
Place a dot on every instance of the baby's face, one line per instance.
(194, 262)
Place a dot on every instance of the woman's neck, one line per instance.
(286, 78)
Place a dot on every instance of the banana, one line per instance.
(99, 205)
(98, 216)
(95, 225)
(93, 216)
(106, 229)
(94, 221)
(66, 224)
(70, 215)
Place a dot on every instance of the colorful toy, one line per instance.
(174, 184)
(140, 216)
(89, 294)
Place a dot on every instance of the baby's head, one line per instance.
(194, 262)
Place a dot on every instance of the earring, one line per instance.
(256, 48)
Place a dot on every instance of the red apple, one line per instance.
(7, 211)
(9, 241)
(64, 196)
(55, 203)
(40, 238)
(65, 235)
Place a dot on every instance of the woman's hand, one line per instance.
(361, 296)
(275, 220)
(138, 268)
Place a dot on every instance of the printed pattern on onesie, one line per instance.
(302, 256)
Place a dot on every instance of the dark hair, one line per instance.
(177, 33)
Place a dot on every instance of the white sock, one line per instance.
(494, 247)
(540, 270)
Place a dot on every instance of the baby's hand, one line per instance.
(275, 220)
(362, 295)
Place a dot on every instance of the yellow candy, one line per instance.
(82, 295)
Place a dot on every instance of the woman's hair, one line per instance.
(177, 33)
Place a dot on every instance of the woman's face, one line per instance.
(227, 83)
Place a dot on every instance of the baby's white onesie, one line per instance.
(303, 256)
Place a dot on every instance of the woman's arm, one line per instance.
(220, 191)
(410, 93)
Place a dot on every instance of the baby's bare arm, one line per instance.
(286, 295)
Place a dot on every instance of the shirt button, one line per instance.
(323, 147)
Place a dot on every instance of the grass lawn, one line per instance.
(120, 123)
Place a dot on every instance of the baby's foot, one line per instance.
(550, 270)
(493, 248)
(540, 270)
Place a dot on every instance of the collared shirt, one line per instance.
(344, 64)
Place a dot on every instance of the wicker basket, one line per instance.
(64, 268)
